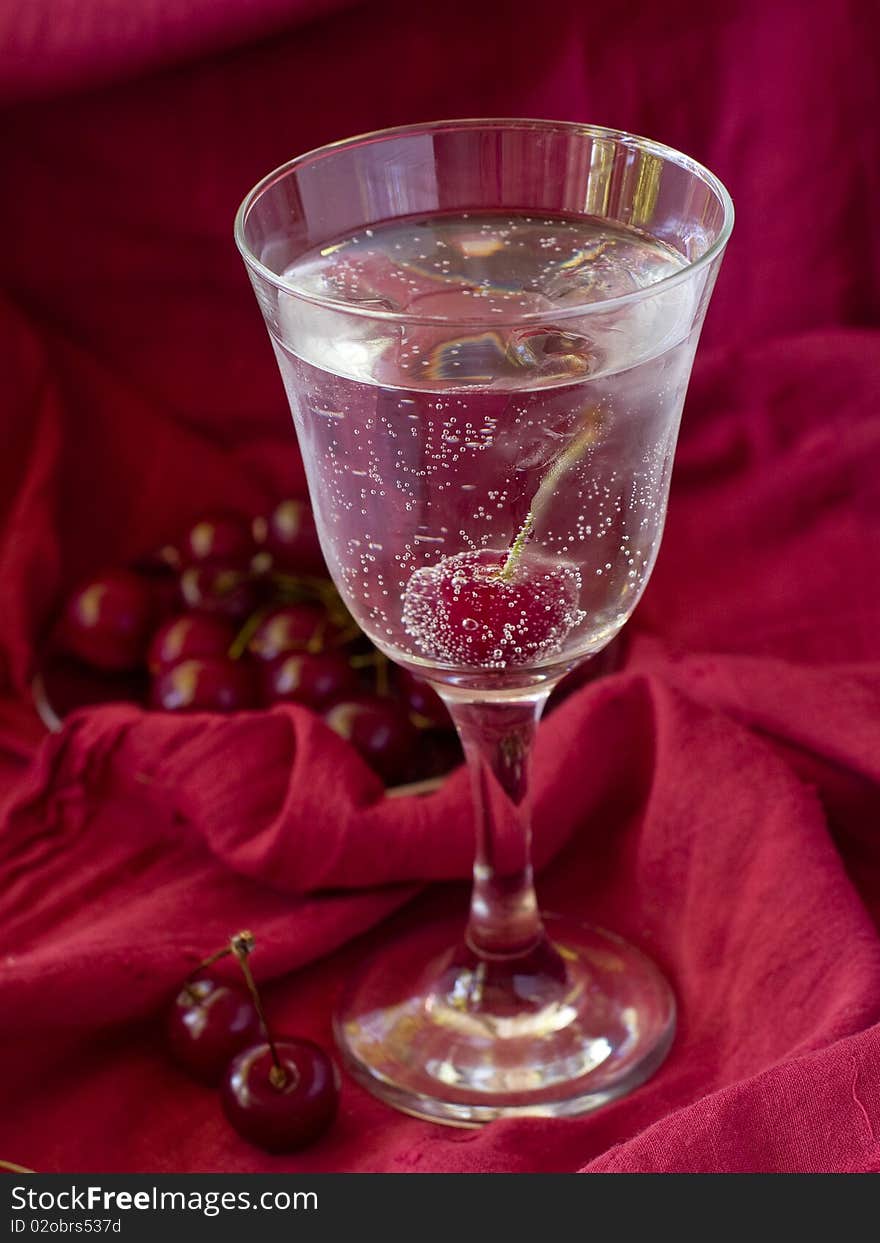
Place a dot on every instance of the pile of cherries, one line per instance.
(278, 1093)
(240, 614)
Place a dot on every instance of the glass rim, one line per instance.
(661, 150)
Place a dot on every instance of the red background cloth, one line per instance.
(717, 800)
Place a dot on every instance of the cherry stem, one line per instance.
(517, 546)
(239, 644)
(583, 439)
(212, 958)
(241, 945)
(206, 962)
(316, 639)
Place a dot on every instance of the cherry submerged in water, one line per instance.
(473, 609)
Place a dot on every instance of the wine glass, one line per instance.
(485, 329)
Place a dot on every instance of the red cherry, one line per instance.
(188, 636)
(206, 684)
(292, 628)
(223, 590)
(310, 678)
(281, 1110)
(107, 621)
(218, 539)
(380, 730)
(424, 704)
(289, 535)
(464, 612)
(208, 1023)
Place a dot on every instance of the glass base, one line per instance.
(462, 1040)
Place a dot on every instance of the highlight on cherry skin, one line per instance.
(107, 622)
(209, 1022)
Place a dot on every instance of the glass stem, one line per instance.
(497, 738)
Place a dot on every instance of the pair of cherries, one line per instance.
(278, 1093)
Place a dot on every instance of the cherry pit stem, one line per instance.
(583, 439)
(212, 958)
(239, 644)
(242, 945)
(206, 962)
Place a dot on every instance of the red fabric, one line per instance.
(717, 800)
